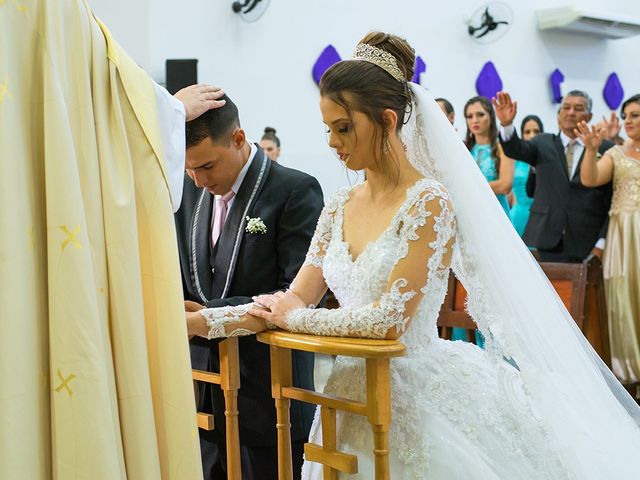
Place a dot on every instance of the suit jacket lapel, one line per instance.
(576, 172)
(557, 141)
(200, 246)
(226, 254)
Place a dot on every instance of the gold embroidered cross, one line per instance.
(4, 91)
(65, 383)
(71, 236)
(19, 8)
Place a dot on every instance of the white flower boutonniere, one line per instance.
(255, 225)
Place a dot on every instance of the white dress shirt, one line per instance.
(243, 173)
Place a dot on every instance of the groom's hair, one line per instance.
(218, 124)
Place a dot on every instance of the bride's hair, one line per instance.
(365, 87)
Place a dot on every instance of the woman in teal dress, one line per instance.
(519, 213)
(497, 168)
(482, 142)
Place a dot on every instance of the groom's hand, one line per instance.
(199, 98)
(190, 306)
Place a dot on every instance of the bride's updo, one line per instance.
(366, 87)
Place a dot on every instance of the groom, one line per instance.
(230, 181)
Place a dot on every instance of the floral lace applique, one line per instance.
(323, 232)
(218, 318)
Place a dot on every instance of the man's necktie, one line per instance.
(570, 149)
(220, 215)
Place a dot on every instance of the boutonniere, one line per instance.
(255, 225)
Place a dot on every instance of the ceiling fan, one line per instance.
(250, 10)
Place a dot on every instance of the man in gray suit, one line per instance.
(568, 221)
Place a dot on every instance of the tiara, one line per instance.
(379, 57)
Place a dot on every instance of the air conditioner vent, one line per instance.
(571, 19)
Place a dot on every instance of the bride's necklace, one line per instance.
(635, 149)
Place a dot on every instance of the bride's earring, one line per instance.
(387, 147)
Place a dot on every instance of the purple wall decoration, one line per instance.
(613, 92)
(556, 79)
(488, 82)
(421, 67)
(328, 57)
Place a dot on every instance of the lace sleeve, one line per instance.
(427, 233)
(324, 228)
(229, 321)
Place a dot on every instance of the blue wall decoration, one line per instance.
(421, 67)
(613, 92)
(488, 83)
(557, 77)
(328, 57)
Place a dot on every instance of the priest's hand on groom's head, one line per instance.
(199, 98)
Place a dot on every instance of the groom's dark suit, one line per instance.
(241, 265)
(567, 218)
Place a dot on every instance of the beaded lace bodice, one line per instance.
(372, 300)
(626, 182)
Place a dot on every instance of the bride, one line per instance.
(538, 403)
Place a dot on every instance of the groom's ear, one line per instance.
(390, 119)
(238, 138)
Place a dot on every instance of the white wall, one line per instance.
(128, 22)
(266, 66)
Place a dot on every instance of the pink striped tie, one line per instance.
(220, 215)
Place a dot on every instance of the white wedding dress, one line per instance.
(552, 411)
(457, 411)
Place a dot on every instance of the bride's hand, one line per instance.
(279, 305)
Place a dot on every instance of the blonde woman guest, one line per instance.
(622, 250)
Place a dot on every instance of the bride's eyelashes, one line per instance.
(342, 130)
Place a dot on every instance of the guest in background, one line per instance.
(482, 142)
(567, 218)
(613, 126)
(621, 259)
(447, 108)
(519, 213)
(270, 143)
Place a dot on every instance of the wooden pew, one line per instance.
(377, 408)
(229, 381)
(580, 287)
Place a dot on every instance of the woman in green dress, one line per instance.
(497, 168)
(519, 213)
(482, 142)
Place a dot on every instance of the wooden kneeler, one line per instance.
(229, 381)
(377, 409)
